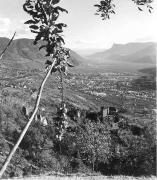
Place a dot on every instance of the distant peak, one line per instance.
(133, 43)
(116, 44)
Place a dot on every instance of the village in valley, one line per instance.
(113, 89)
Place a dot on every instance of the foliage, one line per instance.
(94, 142)
(85, 146)
(45, 14)
(107, 7)
(110, 150)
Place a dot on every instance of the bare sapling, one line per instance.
(7, 46)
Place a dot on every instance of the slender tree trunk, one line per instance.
(93, 164)
(28, 123)
(62, 89)
(3, 52)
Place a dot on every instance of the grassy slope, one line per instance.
(50, 97)
(87, 178)
(23, 54)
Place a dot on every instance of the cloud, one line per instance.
(4, 22)
(8, 27)
(150, 38)
(82, 42)
(78, 43)
(4, 26)
(23, 31)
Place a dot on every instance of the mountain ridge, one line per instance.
(133, 52)
(24, 54)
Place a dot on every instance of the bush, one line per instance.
(86, 146)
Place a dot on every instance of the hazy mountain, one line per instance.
(131, 52)
(147, 80)
(23, 54)
(76, 58)
(149, 71)
(88, 51)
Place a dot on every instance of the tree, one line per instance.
(94, 143)
(44, 24)
(107, 7)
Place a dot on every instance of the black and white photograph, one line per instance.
(78, 89)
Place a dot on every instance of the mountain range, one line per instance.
(131, 52)
(23, 54)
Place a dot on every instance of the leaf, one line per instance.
(60, 25)
(34, 27)
(141, 3)
(30, 22)
(55, 1)
(61, 9)
(57, 31)
(48, 62)
(70, 65)
(31, 6)
(97, 5)
(34, 31)
(50, 49)
(34, 42)
(54, 69)
(60, 39)
(140, 9)
(37, 38)
(113, 12)
(150, 11)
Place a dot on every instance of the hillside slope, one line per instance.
(131, 52)
(23, 54)
(149, 71)
(81, 177)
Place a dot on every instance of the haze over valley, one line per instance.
(129, 57)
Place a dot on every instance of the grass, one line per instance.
(14, 99)
(74, 177)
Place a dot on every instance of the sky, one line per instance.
(85, 30)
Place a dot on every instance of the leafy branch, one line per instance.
(44, 15)
(107, 7)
